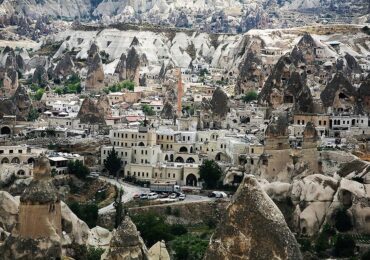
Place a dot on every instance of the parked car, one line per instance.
(94, 175)
(152, 196)
(182, 196)
(163, 195)
(173, 196)
(217, 194)
(144, 196)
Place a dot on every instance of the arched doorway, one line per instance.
(183, 149)
(171, 157)
(191, 180)
(31, 160)
(5, 130)
(166, 157)
(218, 157)
(141, 144)
(179, 159)
(190, 160)
(21, 172)
(4, 160)
(15, 160)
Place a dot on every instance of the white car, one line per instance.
(182, 196)
(173, 196)
(152, 196)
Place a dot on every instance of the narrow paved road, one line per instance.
(128, 192)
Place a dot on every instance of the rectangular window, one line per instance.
(20, 151)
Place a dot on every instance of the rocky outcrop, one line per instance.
(216, 109)
(40, 76)
(219, 103)
(19, 105)
(159, 252)
(14, 61)
(133, 65)
(168, 111)
(76, 230)
(126, 243)
(91, 113)
(286, 85)
(64, 67)
(10, 82)
(316, 199)
(250, 73)
(364, 94)
(182, 20)
(239, 235)
(340, 94)
(278, 128)
(104, 106)
(95, 72)
(121, 67)
(37, 234)
(8, 211)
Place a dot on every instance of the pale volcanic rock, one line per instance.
(8, 211)
(10, 82)
(340, 93)
(159, 252)
(95, 71)
(121, 67)
(40, 76)
(64, 68)
(126, 243)
(239, 235)
(19, 104)
(76, 229)
(91, 113)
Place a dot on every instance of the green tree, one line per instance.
(178, 229)
(343, 221)
(250, 96)
(118, 205)
(322, 243)
(152, 227)
(189, 247)
(78, 169)
(33, 115)
(113, 163)
(147, 110)
(59, 90)
(86, 212)
(39, 93)
(344, 246)
(50, 132)
(366, 255)
(128, 84)
(210, 172)
(203, 72)
(94, 253)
